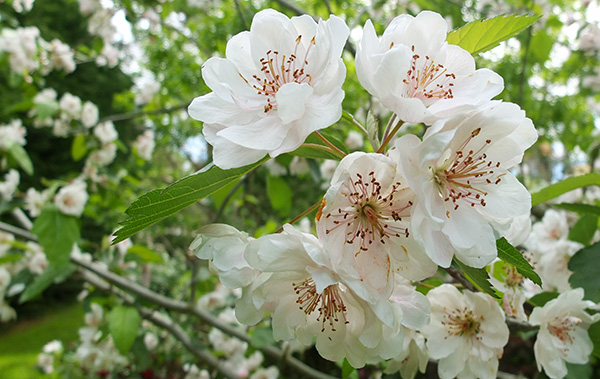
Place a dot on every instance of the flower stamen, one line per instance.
(428, 80)
(329, 304)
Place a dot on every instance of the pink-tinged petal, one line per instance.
(415, 306)
(291, 99)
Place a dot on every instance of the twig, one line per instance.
(163, 322)
(229, 196)
(22, 218)
(241, 14)
(390, 136)
(128, 116)
(17, 231)
(205, 316)
(332, 146)
(459, 277)
(307, 211)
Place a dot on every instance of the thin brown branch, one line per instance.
(128, 116)
(17, 231)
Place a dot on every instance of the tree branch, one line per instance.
(17, 231)
(128, 116)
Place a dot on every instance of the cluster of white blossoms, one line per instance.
(387, 218)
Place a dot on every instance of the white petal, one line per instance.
(291, 99)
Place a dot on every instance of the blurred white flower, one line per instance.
(103, 156)
(9, 185)
(147, 92)
(71, 198)
(61, 56)
(89, 114)
(12, 133)
(106, 132)
(354, 140)
(144, 145)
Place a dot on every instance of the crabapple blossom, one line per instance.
(70, 104)
(414, 72)
(103, 156)
(12, 133)
(563, 335)
(89, 114)
(279, 82)
(61, 56)
(364, 224)
(467, 333)
(106, 132)
(9, 185)
(71, 198)
(144, 145)
(466, 193)
(224, 245)
(7, 312)
(413, 358)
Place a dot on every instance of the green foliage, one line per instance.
(161, 203)
(479, 277)
(50, 275)
(584, 229)
(20, 156)
(509, 254)
(56, 233)
(142, 254)
(585, 273)
(541, 299)
(316, 148)
(483, 35)
(564, 186)
(78, 148)
(280, 194)
(594, 333)
(262, 337)
(580, 208)
(123, 323)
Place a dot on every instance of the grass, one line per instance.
(21, 343)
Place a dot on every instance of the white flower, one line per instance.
(150, 341)
(563, 333)
(5, 278)
(22, 5)
(37, 261)
(71, 199)
(46, 363)
(553, 227)
(467, 333)
(7, 312)
(5, 242)
(465, 191)
(103, 156)
(13, 133)
(308, 299)
(511, 285)
(365, 222)
(271, 372)
(280, 82)
(9, 185)
(589, 38)
(146, 92)
(70, 104)
(89, 114)
(61, 56)
(93, 319)
(414, 357)
(299, 166)
(414, 72)
(53, 346)
(144, 145)
(106, 132)
(224, 245)
(354, 140)
(553, 264)
(34, 201)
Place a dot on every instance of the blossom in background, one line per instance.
(89, 114)
(22, 46)
(354, 140)
(71, 105)
(467, 333)
(280, 82)
(12, 133)
(414, 72)
(61, 56)
(146, 92)
(563, 336)
(71, 198)
(106, 132)
(144, 145)
(466, 193)
(9, 185)
(224, 245)
(413, 358)
(103, 156)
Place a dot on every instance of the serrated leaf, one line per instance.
(584, 268)
(579, 208)
(584, 229)
(158, 204)
(564, 186)
(56, 233)
(315, 148)
(78, 148)
(20, 156)
(509, 254)
(483, 35)
(123, 324)
(479, 277)
(141, 253)
(45, 279)
(280, 195)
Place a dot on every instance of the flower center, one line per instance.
(370, 216)
(428, 81)
(462, 322)
(329, 304)
(278, 70)
(466, 174)
(561, 328)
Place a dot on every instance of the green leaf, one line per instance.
(347, 369)
(580, 208)
(123, 323)
(141, 253)
(20, 156)
(541, 45)
(262, 337)
(584, 229)
(373, 130)
(46, 110)
(10, 258)
(158, 204)
(45, 279)
(79, 148)
(315, 148)
(483, 35)
(56, 233)
(564, 186)
(584, 265)
(509, 254)
(541, 299)
(479, 276)
(280, 195)
(594, 333)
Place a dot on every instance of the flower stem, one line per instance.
(334, 148)
(307, 211)
(388, 136)
(355, 122)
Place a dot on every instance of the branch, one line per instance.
(128, 116)
(238, 8)
(459, 277)
(164, 322)
(17, 231)
(180, 306)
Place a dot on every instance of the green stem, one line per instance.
(307, 211)
(389, 136)
(355, 122)
(334, 148)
